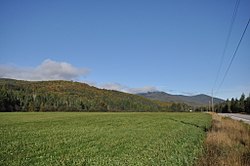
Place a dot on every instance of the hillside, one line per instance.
(197, 100)
(17, 95)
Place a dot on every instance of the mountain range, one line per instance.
(196, 100)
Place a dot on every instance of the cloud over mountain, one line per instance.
(54, 70)
(123, 88)
(47, 70)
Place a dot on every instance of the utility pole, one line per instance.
(209, 105)
(212, 101)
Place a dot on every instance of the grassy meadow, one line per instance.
(60, 138)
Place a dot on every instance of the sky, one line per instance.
(133, 46)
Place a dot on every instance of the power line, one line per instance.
(236, 6)
(227, 41)
(234, 55)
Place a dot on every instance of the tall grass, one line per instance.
(227, 143)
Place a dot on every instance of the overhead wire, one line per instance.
(234, 55)
(236, 6)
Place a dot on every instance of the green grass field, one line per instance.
(101, 138)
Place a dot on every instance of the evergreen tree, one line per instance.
(242, 103)
(247, 104)
(233, 105)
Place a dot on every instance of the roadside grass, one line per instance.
(227, 143)
(101, 138)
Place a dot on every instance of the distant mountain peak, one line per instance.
(193, 100)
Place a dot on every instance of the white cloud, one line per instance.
(47, 70)
(91, 83)
(53, 70)
(144, 89)
(114, 86)
(123, 88)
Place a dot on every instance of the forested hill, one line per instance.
(17, 95)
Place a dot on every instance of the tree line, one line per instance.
(234, 105)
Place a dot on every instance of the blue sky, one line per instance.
(172, 45)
